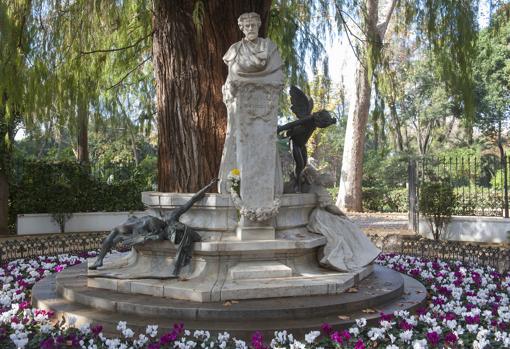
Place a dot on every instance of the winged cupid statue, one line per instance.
(300, 131)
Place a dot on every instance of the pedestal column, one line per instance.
(254, 107)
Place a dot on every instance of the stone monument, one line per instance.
(254, 82)
(256, 244)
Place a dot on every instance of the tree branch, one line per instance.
(381, 27)
(115, 49)
(128, 73)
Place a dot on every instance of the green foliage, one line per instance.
(492, 72)
(384, 199)
(437, 202)
(451, 30)
(61, 188)
(384, 182)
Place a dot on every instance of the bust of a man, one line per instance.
(253, 58)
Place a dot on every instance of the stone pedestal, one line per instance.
(252, 108)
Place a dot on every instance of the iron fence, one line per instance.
(480, 184)
(494, 256)
(48, 245)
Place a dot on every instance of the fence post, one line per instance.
(504, 165)
(412, 196)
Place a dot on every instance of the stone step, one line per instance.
(242, 318)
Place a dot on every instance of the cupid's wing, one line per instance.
(300, 104)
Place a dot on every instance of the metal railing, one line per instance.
(496, 256)
(479, 183)
(78, 243)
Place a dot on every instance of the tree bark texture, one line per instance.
(189, 73)
(350, 194)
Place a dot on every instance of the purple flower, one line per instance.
(24, 305)
(257, 340)
(386, 317)
(450, 316)
(346, 335)
(154, 346)
(471, 320)
(404, 325)
(326, 328)
(48, 344)
(168, 337)
(96, 330)
(433, 338)
(59, 268)
(336, 337)
(359, 344)
(450, 337)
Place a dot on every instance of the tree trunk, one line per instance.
(349, 194)
(82, 130)
(189, 73)
(399, 141)
(4, 200)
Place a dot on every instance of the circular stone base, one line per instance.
(384, 290)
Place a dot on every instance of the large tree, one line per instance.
(190, 39)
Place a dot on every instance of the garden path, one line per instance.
(381, 223)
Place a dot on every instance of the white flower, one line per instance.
(406, 336)
(392, 346)
(361, 322)
(312, 336)
(121, 326)
(128, 333)
(354, 331)
(20, 339)
(152, 330)
(420, 344)
(376, 333)
(240, 344)
(85, 328)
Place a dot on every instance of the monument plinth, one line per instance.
(254, 108)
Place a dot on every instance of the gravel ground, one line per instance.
(381, 223)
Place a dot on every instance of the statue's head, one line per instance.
(249, 23)
(323, 119)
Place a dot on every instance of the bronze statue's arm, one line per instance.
(199, 195)
(293, 124)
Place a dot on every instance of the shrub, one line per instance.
(437, 203)
(61, 188)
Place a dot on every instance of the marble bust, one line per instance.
(253, 58)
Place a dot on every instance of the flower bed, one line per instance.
(468, 307)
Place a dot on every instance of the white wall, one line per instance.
(42, 223)
(479, 229)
